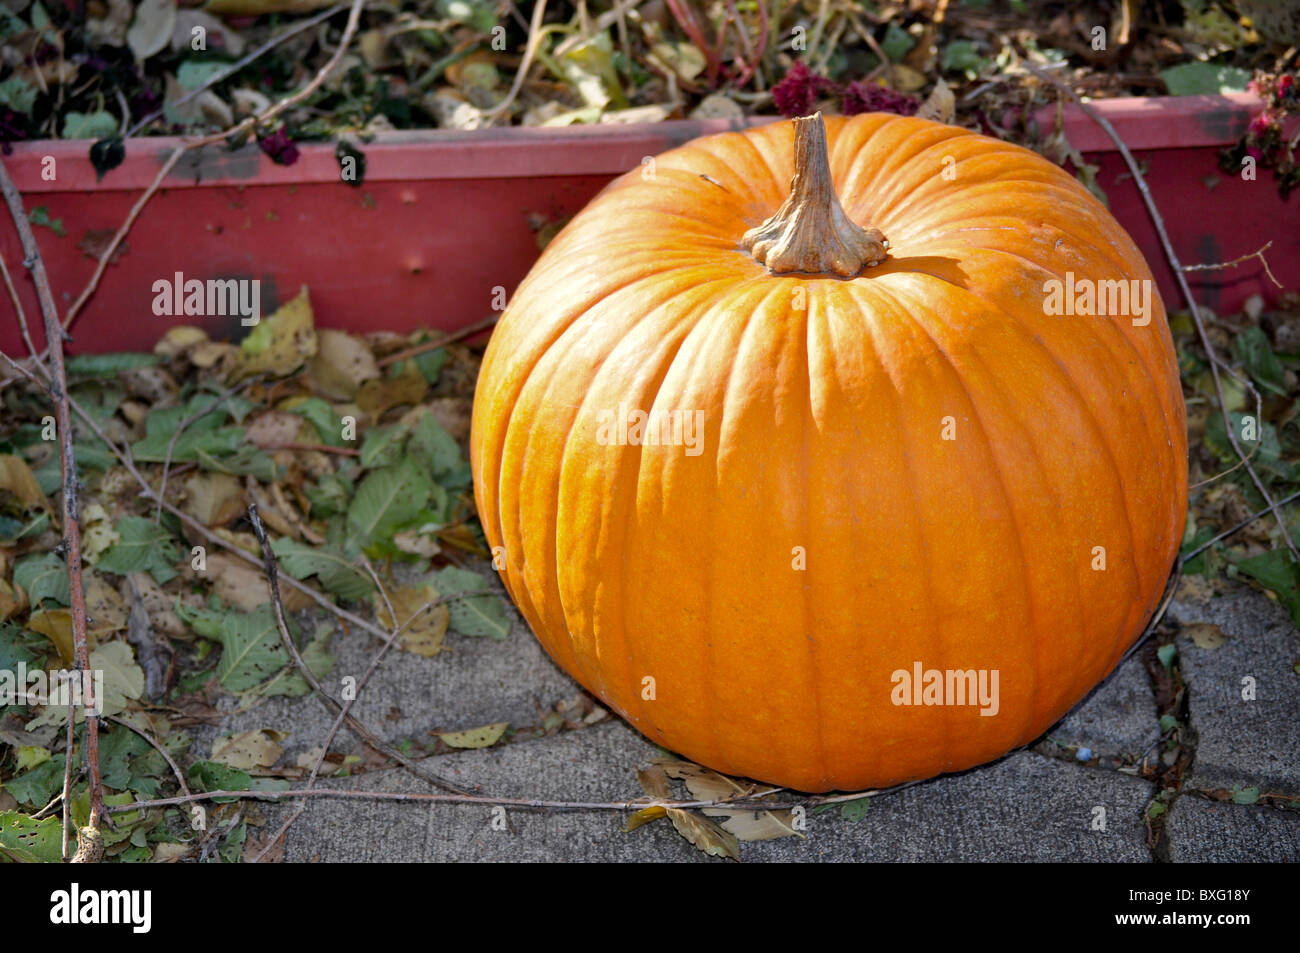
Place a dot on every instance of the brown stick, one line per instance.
(450, 338)
(89, 840)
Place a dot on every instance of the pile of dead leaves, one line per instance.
(355, 459)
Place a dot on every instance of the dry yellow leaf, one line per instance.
(341, 365)
(424, 635)
(1205, 635)
(214, 499)
(249, 750)
(705, 834)
(280, 343)
(17, 478)
(55, 625)
(481, 737)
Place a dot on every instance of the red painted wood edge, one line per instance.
(514, 152)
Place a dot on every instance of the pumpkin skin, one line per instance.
(825, 402)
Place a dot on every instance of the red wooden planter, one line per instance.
(443, 218)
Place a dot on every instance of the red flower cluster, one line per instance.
(798, 92)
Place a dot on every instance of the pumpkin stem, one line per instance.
(810, 233)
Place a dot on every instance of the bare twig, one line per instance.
(751, 800)
(1237, 528)
(89, 839)
(1237, 261)
(450, 338)
(530, 51)
(22, 315)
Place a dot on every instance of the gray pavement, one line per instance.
(1039, 804)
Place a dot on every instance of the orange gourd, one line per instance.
(902, 448)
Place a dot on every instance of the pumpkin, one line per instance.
(808, 450)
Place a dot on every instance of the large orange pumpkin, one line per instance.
(879, 475)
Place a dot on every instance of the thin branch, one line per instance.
(1236, 529)
(750, 801)
(1237, 261)
(89, 839)
(22, 315)
(450, 338)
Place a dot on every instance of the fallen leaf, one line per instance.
(481, 737)
(214, 499)
(281, 343)
(341, 365)
(645, 816)
(151, 30)
(705, 834)
(97, 532)
(756, 825)
(1205, 635)
(249, 750)
(940, 105)
(104, 605)
(424, 635)
(378, 395)
(55, 625)
(654, 781)
(17, 478)
(242, 585)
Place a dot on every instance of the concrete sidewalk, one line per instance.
(1040, 804)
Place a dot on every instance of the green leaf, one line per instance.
(142, 547)
(246, 461)
(480, 615)
(434, 448)
(316, 655)
(334, 570)
(38, 785)
(108, 365)
(31, 841)
(1167, 654)
(1202, 79)
(383, 445)
(18, 94)
(251, 648)
(854, 811)
(896, 43)
(41, 216)
(96, 125)
(961, 56)
(1254, 351)
(1277, 572)
(328, 424)
(385, 499)
(43, 576)
(1245, 795)
(194, 73)
(329, 496)
(208, 433)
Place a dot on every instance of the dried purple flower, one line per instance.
(280, 147)
(862, 97)
(797, 93)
